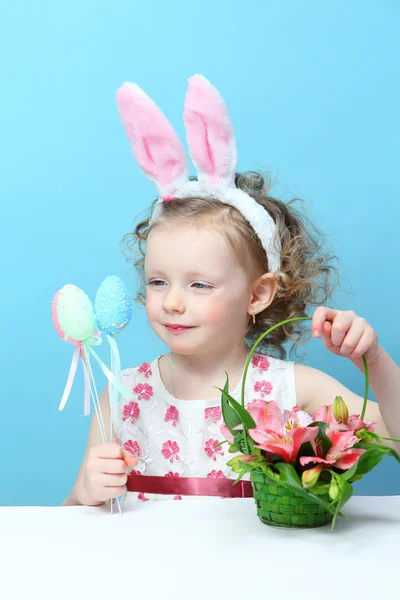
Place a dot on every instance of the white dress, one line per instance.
(172, 437)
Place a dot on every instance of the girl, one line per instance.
(221, 262)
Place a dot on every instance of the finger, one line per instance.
(352, 337)
(340, 327)
(112, 466)
(129, 459)
(105, 480)
(365, 343)
(326, 335)
(322, 314)
(109, 450)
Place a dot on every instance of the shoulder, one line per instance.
(316, 388)
(144, 370)
(141, 375)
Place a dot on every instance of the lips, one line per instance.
(175, 327)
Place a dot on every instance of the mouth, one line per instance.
(173, 328)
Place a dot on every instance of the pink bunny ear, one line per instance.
(210, 134)
(154, 142)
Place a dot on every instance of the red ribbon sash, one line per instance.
(189, 486)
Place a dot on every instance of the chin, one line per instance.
(185, 347)
(179, 347)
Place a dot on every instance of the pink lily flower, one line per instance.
(266, 415)
(227, 434)
(287, 444)
(341, 454)
(354, 423)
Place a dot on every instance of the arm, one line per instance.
(384, 376)
(346, 334)
(315, 388)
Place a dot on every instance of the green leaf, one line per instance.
(239, 442)
(289, 479)
(240, 477)
(387, 449)
(356, 478)
(230, 417)
(244, 417)
(322, 437)
(392, 439)
(350, 472)
(367, 461)
(346, 492)
(266, 469)
(305, 450)
(321, 489)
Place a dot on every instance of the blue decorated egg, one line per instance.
(113, 306)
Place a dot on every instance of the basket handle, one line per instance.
(292, 320)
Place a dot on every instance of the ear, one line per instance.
(210, 134)
(262, 293)
(155, 144)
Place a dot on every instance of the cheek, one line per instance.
(224, 312)
(216, 312)
(152, 305)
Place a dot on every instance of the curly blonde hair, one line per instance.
(307, 276)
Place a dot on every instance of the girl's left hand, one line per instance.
(346, 334)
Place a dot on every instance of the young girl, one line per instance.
(221, 262)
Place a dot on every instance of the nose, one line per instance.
(173, 302)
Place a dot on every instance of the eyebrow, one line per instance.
(194, 274)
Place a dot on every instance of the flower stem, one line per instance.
(364, 407)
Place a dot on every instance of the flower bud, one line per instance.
(364, 435)
(310, 477)
(340, 410)
(334, 491)
(234, 465)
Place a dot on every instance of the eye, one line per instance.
(202, 286)
(156, 283)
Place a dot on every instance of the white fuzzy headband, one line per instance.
(211, 140)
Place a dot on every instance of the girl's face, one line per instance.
(197, 293)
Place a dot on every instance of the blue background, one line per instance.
(313, 90)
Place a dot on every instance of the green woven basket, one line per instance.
(279, 506)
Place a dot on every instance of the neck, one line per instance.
(196, 375)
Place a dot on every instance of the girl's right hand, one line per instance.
(106, 471)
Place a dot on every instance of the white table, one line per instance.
(202, 548)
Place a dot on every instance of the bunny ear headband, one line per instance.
(211, 140)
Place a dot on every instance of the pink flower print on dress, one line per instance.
(216, 475)
(211, 451)
(131, 411)
(178, 498)
(260, 362)
(132, 447)
(264, 387)
(171, 474)
(144, 391)
(213, 413)
(133, 472)
(170, 451)
(172, 415)
(145, 369)
(141, 496)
